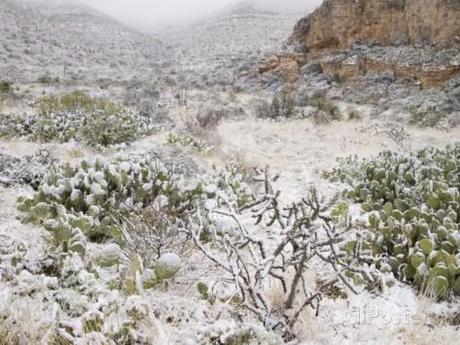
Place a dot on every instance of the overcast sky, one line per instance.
(153, 13)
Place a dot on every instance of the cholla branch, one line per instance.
(304, 231)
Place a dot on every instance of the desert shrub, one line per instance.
(149, 232)
(46, 78)
(202, 121)
(327, 110)
(137, 90)
(280, 106)
(6, 87)
(454, 119)
(74, 101)
(145, 98)
(209, 119)
(413, 205)
(394, 131)
(181, 95)
(28, 169)
(425, 118)
(189, 141)
(77, 116)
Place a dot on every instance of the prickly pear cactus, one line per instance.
(413, 201)
(77, 116)
(167, 266)
(89, 202)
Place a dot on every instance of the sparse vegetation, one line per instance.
(394, 131)
(189, 141)
(182, 96)
(203, 121)
(47, 79)
(280, 106)
(425, 118)
(327, 110)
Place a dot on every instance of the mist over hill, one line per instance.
(149, 15)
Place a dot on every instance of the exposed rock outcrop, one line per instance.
(416, 40)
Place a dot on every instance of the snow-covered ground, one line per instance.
(207, 55)
(299, 151)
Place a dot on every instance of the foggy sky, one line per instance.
(150, 14)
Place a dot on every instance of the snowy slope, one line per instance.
(71, 42)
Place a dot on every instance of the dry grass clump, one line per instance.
(73, 101)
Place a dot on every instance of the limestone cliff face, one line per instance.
(337, 24)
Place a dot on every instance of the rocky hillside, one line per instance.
(70, 42)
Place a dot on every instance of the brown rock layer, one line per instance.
(426, 76)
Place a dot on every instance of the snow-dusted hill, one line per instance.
(227, 46)
(70, 42)
(78, 43)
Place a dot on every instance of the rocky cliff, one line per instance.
(337, 24)
(416, 40)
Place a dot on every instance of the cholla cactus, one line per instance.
(304, 231)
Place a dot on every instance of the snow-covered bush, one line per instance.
(109, 128)
(229, 332)
(25, 170)
(89, 196)
(189, 141)
(13, 126)
(326, 111)
(77, 116)
(413, 201)
(425, 118)
(281, 105)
